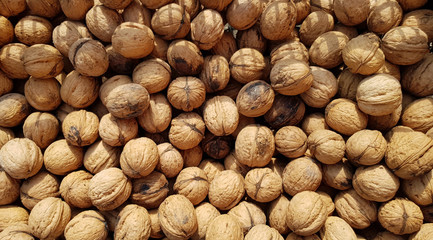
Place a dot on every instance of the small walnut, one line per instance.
(177, 217)
(88, 57)
(314, 121)
(75, 9)
(10, 188)
(302, 174)
(224, 227)
(355, 210)
(65, 34)
(215, 74)
(192, 157)
(171, 21)
(291, 141)
(263, 185)
(109, 189)
(170, 160)
(400, 216)
(61, 158)
(12, 8)
(314, 25)
(415, 78)
(278, 20)
(11, 60)
(352, 12)
(226, 46)
(42, 61)
(42, 128)
(187, 130)
(32, 30)
(291, 49)
(255, 145)
(291, 77)
(74, 188)
(375, 183)
(206, 213)
(416, 114)
(133, 40)
(185, 57)
(207, 29)
(217, 147)
(326, 50)
(100, 156)
(255, 98)
(118, 63)
(246, 65)
(383, 16)
(263, 231)
(102, 21)
(344, 116)
(153, 74)
(336, 227)
(80, 128)
(157, 116)
(324, 87)
(135, 12)
(43, 94)
(38, 187)
(339, 175)
(87, 224)
(252, 38)
(139, 157)
(418, 189)
(117, 132)
(193, 183)
(186, 93)
(243, 14)
(20, 231)
(306, 213)
(133, 221)
(226, 189)
(277, 214)
(11, 215)
(128, 100)
(149, 191)
(49, 218)
(326, 146)
(366, 147)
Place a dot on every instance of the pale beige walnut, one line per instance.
(21, 158)
(348, 83)
(109, 189)
(326, 146)
(255, 145)
(110, 84)
(294, 236)
(302, 174)
(363, 55)
(153, 74)
(425, 232)
(327, 50)
(224, 227)
(352, 12)
(117, 132)
(187, 130)
(10, 188)
(411, 4)
(415, 78)
(386, 235)
(207, 29)
(42, 128)
(226, 46)
(100, 156)
(6, 134)
(226, 189)
(408, 153)
(391, 69)
(215, 74)
(60, 157)
(42, 61)
(421, 18)
(133, 40)
(339, 175)
(14, 108)
(186, 93)
(314, 121)
(255, 98)
(306, 213)
(12, 215)
(291, 141)
(375, 183)
(11, 60)
(87, 224)
(211, 168)
(400, 216)
(263, 185)
(155, 227)
(139, 157)
(350, 32)
(38, 187)
(49, 218)
(262, 231)
(6, 84)
(336, 228)
(128, 100)
(291, 49)
(133, 223)
(157, 116)
(185, 57)
(242, 14)
(78, 90)
(405, 45)
(88, 57)
(419, 189)
(43, 94)
(416, 115)
(20, 231)
(328, 202)
(278, 20)
(80, 128)
(252, 38)
(67, 32)
(206, 213)
(75, 9)
(74, 188)
(246, 65)
(355, 210)
(344, 116)
(384, 15)
(12, 7)
(32, 30)
(291, 77)
(102, 21)
(248, 215)
(277, 214)
(177, 217)
(314, 25)
(193, 183)
(149, 191)
(170, 160)
(366, 147)
(171, 21)
(325, 86)
(221, 115)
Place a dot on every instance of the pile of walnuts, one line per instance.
(216, 119)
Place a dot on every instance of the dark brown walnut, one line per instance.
(248, 215)
(383, 16)
(43, 94)
(207, 29)
(79, 91)
(170, 160)
(232, 89)
(117, 132)
(351, 12)
(177, 217)
(348, 83)
(291, 77)
(157, 116)
(291, 49)
(185, 57)
(139, 157)
(21, 158)
(421, 18)
(133, 40)
(366, 147)
(242, 14)
(58, 214)
(255, 98)
(67, 32)
(110, 84)
(375, 183)
(226, 46)
(109, 189)
(221, 115)
(314, 25)
(38, 187)
(99, 108)
(415, 78)
(191, 6)
(89, 57)
(135, 12)
(291, 141)
(206, 213)
(263, 185)
(314, 121)
(226, 189)
(411, 5)
(326, 50)
(75, 9)
(133, 222)
(192, 157)
(186, 93)
(325, 86)
(42, 128)
(12, 8)
(419, 189)
(405, 45)
(12, 215)
(42, 61)
(155, 227)
(355, 210)
(87, 224)
(232, 163)
(102, 21)
(100, 156)
(255, 145)
(74, 188)
(344, 116)
(14, 108)
(326, 146)
(252, 38)
(10, 188)
(339, 175)
(278, 20)
(215, 74)
(400, 216)
(153, 74)
(276, 214)
(48, 9)
(118, 63)
(17, 231)
(193, 183)
(80, 128)
(149, 191)
(171, 22)
(217, 147)
(32, 30)
(246, 65)
(61, 158)
(302, 174)
(6, 84)
(306, 213)
(187, 130)
(128, 100)
(11, 60)
(416, 115)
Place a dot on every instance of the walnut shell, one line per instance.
(206, 213)
(65, 34)
(139, 157)
(326, 50)
(277, 214)
(118, 63)
(422, 19)
(215, 74)
(157, 116)
(58, 214)
(10, 188)
(385, 235)
(42, 128)
(170, 160)
(192, 182)
(187, 130)
(78, 90)
(12, 8)
(326, 146)
(127, 100)
(246, 65)
(248, 215)
(291, 77)
(155, 227)
(325, 5)
(14, 108)
(109, 189)
(375, 183)
(226, 46)
(337, 228)
(12, 215)
(153, 74)
(255, 98)
(61, 158)
(117, 132)
(418, 189)
(102, 21)
(207, 29)
(221, 115)
(185, 57)
(314, 121)
(74, 188)
(42, 61)
(291, 141)
(226, 189)
(17, 231)
(242, 14)
(232, 163)
(191, 6)
(252, 38)
(224, 227)
(355, 210)
(75, 9)
(80, 128)
(6, 84)
(263, 185)
(100, 156)
(211, 168)
(415, 78)
(155, 4)
(351, 12)
(424, 232)
(324, 87)
(263, 231)
(255, 145)
(339, 175)
(415, 115)
(133, 221)
(217, 147)
(171, 21)
(278, 20)
(294, 236)
(11, 60)
(110, 84)
(87, 224)
(384, 123)
(43, 94)
(186, 93)
(348, 83)
(192, 157)
(302, 174)
(344, 116)
(383, 16)
(32, 30)
(89, 57)
(314, 25)
(291, 49)
(400, 216)
(38, 187)
(133, 40)
(149, 191)
(350, 32)
(46, 9)
(366, 147)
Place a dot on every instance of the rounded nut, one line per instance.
(89, 57)
(12, 215)
(326, 146)
(263, 231)
(255, 98)
(291, 77)
(335, 226)
(226, 227)
(278, 20)
(339, 175)
(11, 60)
(326, 50)
(61, 158)
(313, 122)
(421, 18)
(139, 157)
(42, 128)
(383, 16)
(67, 32)
(133, 221)
(242, 14)
(324, 87)
(277, 214)
(153, 74)
(43, 94)
(117, 132)
(149, 191)
(248, 215)
(355, 210)
(221, 115)
(38, 187)
(102, 21)
(42, 61)
(415, 77)
(87, 224)
(366, 147)
(314, 25)
(17, 231)
(206, 213)
(302, 174)
(80, 128)
(76, 9)
(100, 156)
(226, 189)
(352, 12)
(187, 130)
(400, 216)
(32, 30)
(133, 40)
(246, 65)
(255, 145)
(416, 116)
(10, 188)
(185, 57)
(344, 116)
(74, 188)
(207, 28)
(418, 189)
(291, 49)
(192, 182)
(79, 91)
(171, 21)
(291, 141)
(170, 160)
(128, 100)
(186, 93)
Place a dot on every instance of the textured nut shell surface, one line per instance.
(255, 145)
(133, 223)
(336, 228)
(139, 157)
(400, 216)
(226, 189)
(87, 224)
(226, 227)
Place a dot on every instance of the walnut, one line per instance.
(263, 185)
(335, 227)
(110, 84)
(327, 200)
(186, 93)
(384, 123)
(424, 232)
(139, 157)
(226, 189)
(102, 21)
(255, 145)
(385, 235)
(248, 214)
(415, 78)
(291, 49)
(232, 163)
(366, 147)
(100, 156)
(344, 116)
(87, 224)
(224, 227)
(215, 74)
(302, 174)
(88, 57)
(42, 128)
(191, 6)
(285, 110)
(155, 227)
(11, 60)
(75, 9)
(118, 63)
(400, 216)
(221, 115)
(206, 213)
(79, 90)
(17, 231)
(277, 214)
(415, 115)
(211, 168)
(410, 5)
(6, 84)
(171, 22)
(43, 94)
(314, 121)
(326, 50)
(291, 141)
(80, 128)
(10, 188)
(421, 18)
(170, 160)
(155, 4)
(42, 61)
(355, 210)
(32, 30)
(217, 147)
(243, 14)
(324, 5)
(185, 57)
(351, 12)
(74, 188)
(350, 32)
(278, 20)
(153, 74)
(61, 158)
(252, 38)
(12, 8)
(263, 231)
(246, 65)
(65, 34)
(326, 146)
(324, 87)
(12, 215)
(133, 40)
(38, 187)
(226, 46)
(255, 98)
(46, 9)
(149, 191)
(187, 130)
(314, 25)
(192, 182)
(207, 29)
(348, 83)
(192, 157)
(383, 16)
(339, 175)
(127, 100)
(117, 132)
(418, 189)
(294, 236)
(291, 77)
(133, 221)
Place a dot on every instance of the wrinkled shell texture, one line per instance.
(246, 65)
(186, 93)
(171, 21)
(255, 98)
(419, 189)
(187, 130)
(78, 90)
(60, 157)
(336, 228)
(221, 115)
(356, 211)
(207, 29)
(88, 57)
(400, 216)
(324, 87)
(366, 147)
(133, 40)
(291, 77)
(80, 128)
(100, 156)
(339, 175)
(139, 157)
(133, 222)
(415, 78)
(255, 145)
(301, 174)
(416, 114)
(291, 141)
(226, 189)
(74, 188)
(263, 185)
(314, 25)
(42, 94)
(226, 227)
(192, 182)
(327, 146)
(87, 224)
(278, 20)
(352, 12)
(326, 50)
(38, 187)
(149, 191)
(383, 16)
(248, 214)
(344, 116)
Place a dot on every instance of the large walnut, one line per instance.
(246, 65)
(171, 21)
(87, 224)
(324, 87)
(226, 189)
(302, 174)
(221, 115)
(255, 145)
(80, 128)
(74, 188)
(416, 114)
(291, 141)
(278, 20)
(415, 78)
(255, 98)
(355, 210)
(400, 216)
(207, 28)
(186, 93)
(14, 108)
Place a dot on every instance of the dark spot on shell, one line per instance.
(74, 135)
(144, 188)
